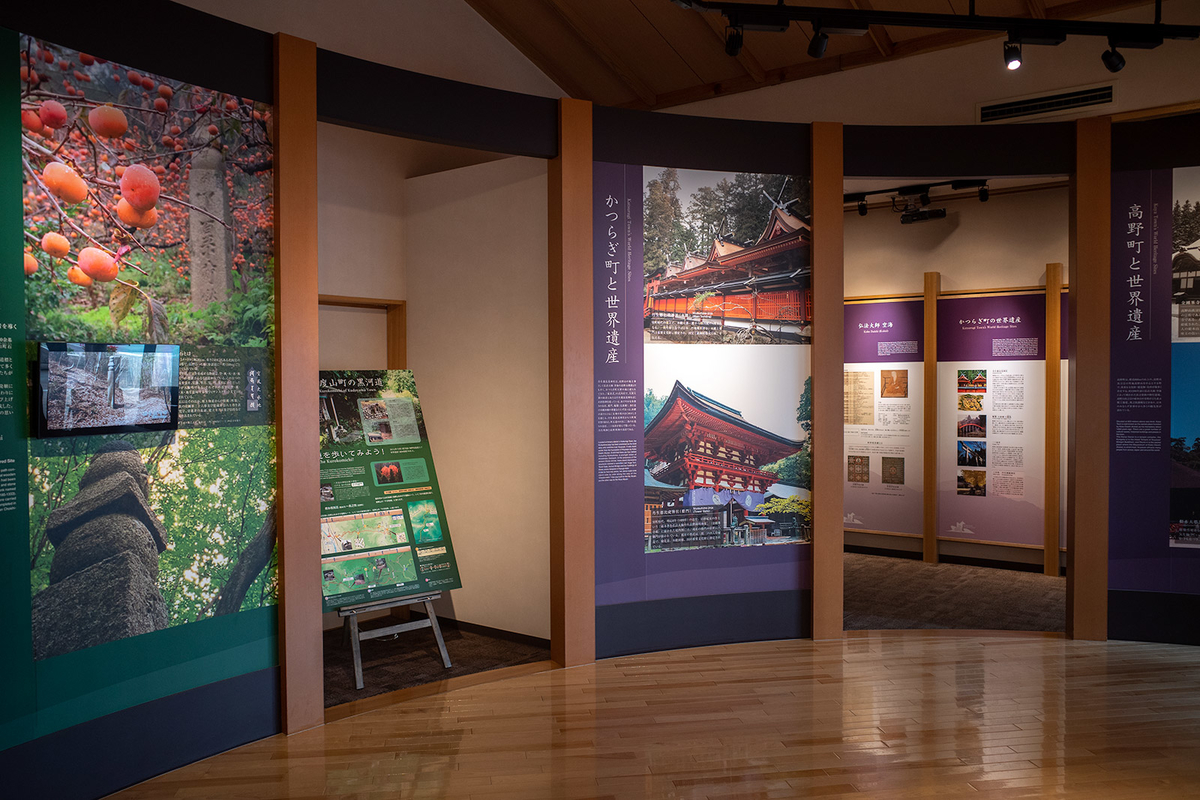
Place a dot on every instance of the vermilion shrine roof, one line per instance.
(683, 407)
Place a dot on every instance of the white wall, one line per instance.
(942, 88)
(360, 207)
(445, 38)
(1006, 241)
(352, 338)
(477, 321)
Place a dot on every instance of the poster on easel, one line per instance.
(383, 526)
(991, 412)
(884, 416)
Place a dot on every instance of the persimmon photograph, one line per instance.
(148, 209)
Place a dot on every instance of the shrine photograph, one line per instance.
(726, 257)
(727, 461)
(1185, 255)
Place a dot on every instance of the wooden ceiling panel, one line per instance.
(546, 39)
(620, 27)
(699, 39)
(653, 54)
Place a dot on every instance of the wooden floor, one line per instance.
(882, 715)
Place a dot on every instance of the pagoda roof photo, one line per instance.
(685, 407)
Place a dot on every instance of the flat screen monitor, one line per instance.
(84, 389)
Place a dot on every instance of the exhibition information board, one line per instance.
(1154, 443)
(702, 343)
(383, 526)
(991, 412)
(884, 416)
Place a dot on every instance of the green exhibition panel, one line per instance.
(138, 463)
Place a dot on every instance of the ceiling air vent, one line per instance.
(1049, 104)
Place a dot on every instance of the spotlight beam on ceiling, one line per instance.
(757, 17)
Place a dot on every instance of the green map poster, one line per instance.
(383, 526)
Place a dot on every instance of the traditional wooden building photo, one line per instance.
(735, 267)
(712, 478)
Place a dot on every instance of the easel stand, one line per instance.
(350, 627)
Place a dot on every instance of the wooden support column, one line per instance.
(929, 529)
(828, 355)
(397, 336)
(298, 506)
(1088, 418)
(1053, 416)
(572, 439)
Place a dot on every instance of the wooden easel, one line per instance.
(350, 628)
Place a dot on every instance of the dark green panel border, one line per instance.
(16, 628)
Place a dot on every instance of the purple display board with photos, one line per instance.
(673, 355)
(883, 417)
(991, 409)
(1154, 478)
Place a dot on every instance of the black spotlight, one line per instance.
(983, 194)
(733, 41)
(924, 198)
(818, 43)
(1012, 54)
(862, 208)
(1113, 61)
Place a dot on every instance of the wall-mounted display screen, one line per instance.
(106, 388)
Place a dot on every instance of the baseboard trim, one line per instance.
(944, 558)
(484, 630)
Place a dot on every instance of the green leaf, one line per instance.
(120, 301)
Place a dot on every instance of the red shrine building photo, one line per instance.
(712, 458)
(759, 292)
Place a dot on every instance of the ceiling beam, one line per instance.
(512, 32)
(878, 34)
(598, 48)
(1037, 8)
(753, 68)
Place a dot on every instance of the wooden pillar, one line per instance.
(929, 529)
(298, 506)
(828, 355)
(1088, 417)
(397, 336)
(1053, 416)
(572, 438)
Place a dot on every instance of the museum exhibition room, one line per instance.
(442, 398)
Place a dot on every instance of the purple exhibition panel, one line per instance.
(1009, 327)
(991, 412)
(617, 319)
(1145, 506)
(632, 506)
(892, 330)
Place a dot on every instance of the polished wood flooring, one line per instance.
(878, 715)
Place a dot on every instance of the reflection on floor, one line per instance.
(899, 593)
(882, 716)
(411, 659)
